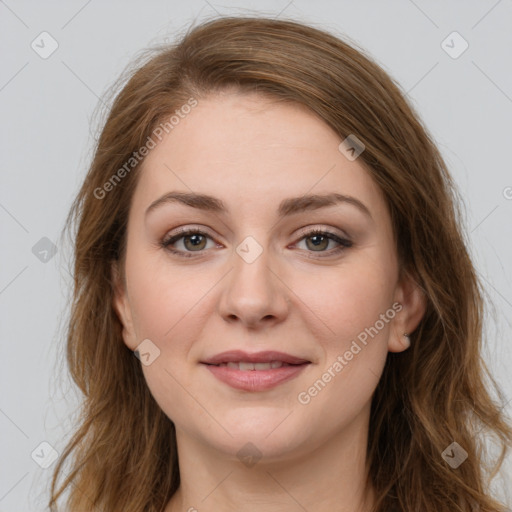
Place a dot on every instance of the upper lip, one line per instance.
(267, 356)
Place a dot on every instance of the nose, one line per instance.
(254, 294)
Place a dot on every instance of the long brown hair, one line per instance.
(123, 454)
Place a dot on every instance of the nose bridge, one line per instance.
(252, 292)
(251, 273)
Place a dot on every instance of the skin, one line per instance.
(252, 153)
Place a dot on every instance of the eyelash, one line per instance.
(344, 243)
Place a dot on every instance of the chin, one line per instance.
(267, 435)
(250, 448)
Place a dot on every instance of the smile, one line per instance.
(244, 366)
(255, 377)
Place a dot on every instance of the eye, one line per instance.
(194, 240)
(320, 240)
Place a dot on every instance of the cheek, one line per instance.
(357, 309)
(165, 305)
(347, 299)
(161, 297)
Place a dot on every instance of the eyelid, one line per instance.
(326, 229)
(186, 229)
(344, 241)
(182, 232)
(302, 232)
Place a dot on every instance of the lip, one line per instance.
(266, 356)
(255, 380)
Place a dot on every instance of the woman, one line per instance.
(271, 231)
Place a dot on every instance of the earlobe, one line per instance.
(399, 343)
(414, 303)
(122, 307)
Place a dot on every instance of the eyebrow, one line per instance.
(289, 206)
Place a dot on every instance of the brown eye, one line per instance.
(318, 241)
(194, 240)
(197, 242)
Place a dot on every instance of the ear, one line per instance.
(122, 306)
(413, 300)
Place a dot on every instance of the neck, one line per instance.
(326, 477)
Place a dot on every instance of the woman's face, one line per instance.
(260, 280)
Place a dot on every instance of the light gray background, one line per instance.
(46, 108)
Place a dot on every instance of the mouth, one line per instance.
(248, 366)
(247, 358)
(259, 371)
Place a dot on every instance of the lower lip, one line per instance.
(255, 380)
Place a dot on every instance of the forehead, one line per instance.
(248, 150)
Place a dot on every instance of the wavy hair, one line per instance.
(123, 454)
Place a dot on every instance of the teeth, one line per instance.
(244, 366)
